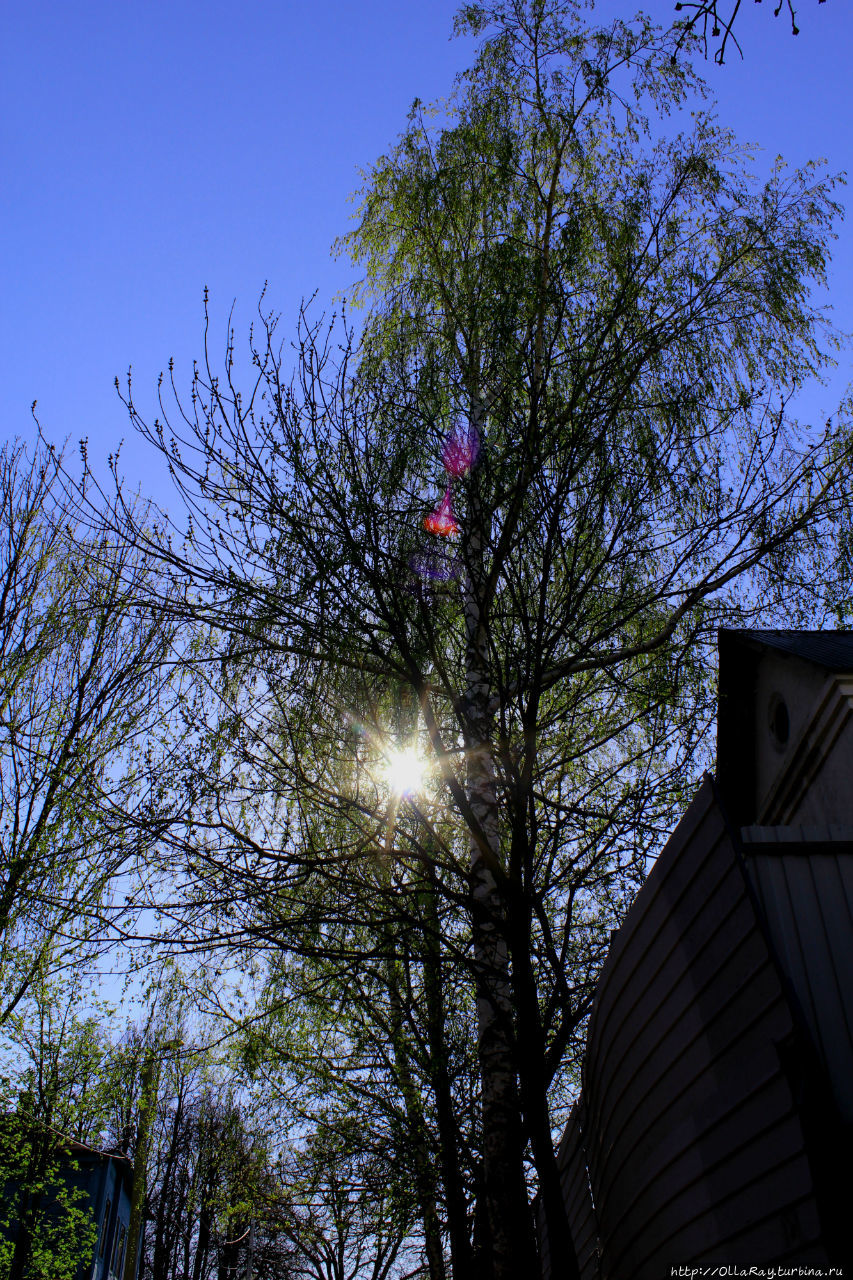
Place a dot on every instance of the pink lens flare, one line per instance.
(460, 450)
(441, 521)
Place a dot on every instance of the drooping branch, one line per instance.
(710, 18)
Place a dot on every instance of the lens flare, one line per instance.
(404, 772)
(442, 521)
(460, 451)
(435, 564)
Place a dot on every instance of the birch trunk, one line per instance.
(512, 1243)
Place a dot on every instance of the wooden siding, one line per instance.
(806, 891)
(694, 1146)
(813, 782)
(574, 1178)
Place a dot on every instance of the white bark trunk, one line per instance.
(507, 1208)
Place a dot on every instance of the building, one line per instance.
(106, 1178)
(716, 1117)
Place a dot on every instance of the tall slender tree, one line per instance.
(597, 322)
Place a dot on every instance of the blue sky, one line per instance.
(150, 150)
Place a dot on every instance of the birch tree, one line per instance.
(614, 315)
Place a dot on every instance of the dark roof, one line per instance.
(71, 1145)
(830, 649)
(83, 1149)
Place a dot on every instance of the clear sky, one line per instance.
(151, 149)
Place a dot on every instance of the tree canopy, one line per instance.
(488, 534)
(605, 315)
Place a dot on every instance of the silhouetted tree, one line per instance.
(618, 327)
(85, 701)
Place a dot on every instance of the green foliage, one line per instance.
(599, 284)
(47, 1229)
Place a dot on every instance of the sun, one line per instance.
(404, 771)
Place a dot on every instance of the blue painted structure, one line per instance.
(106, 1178)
